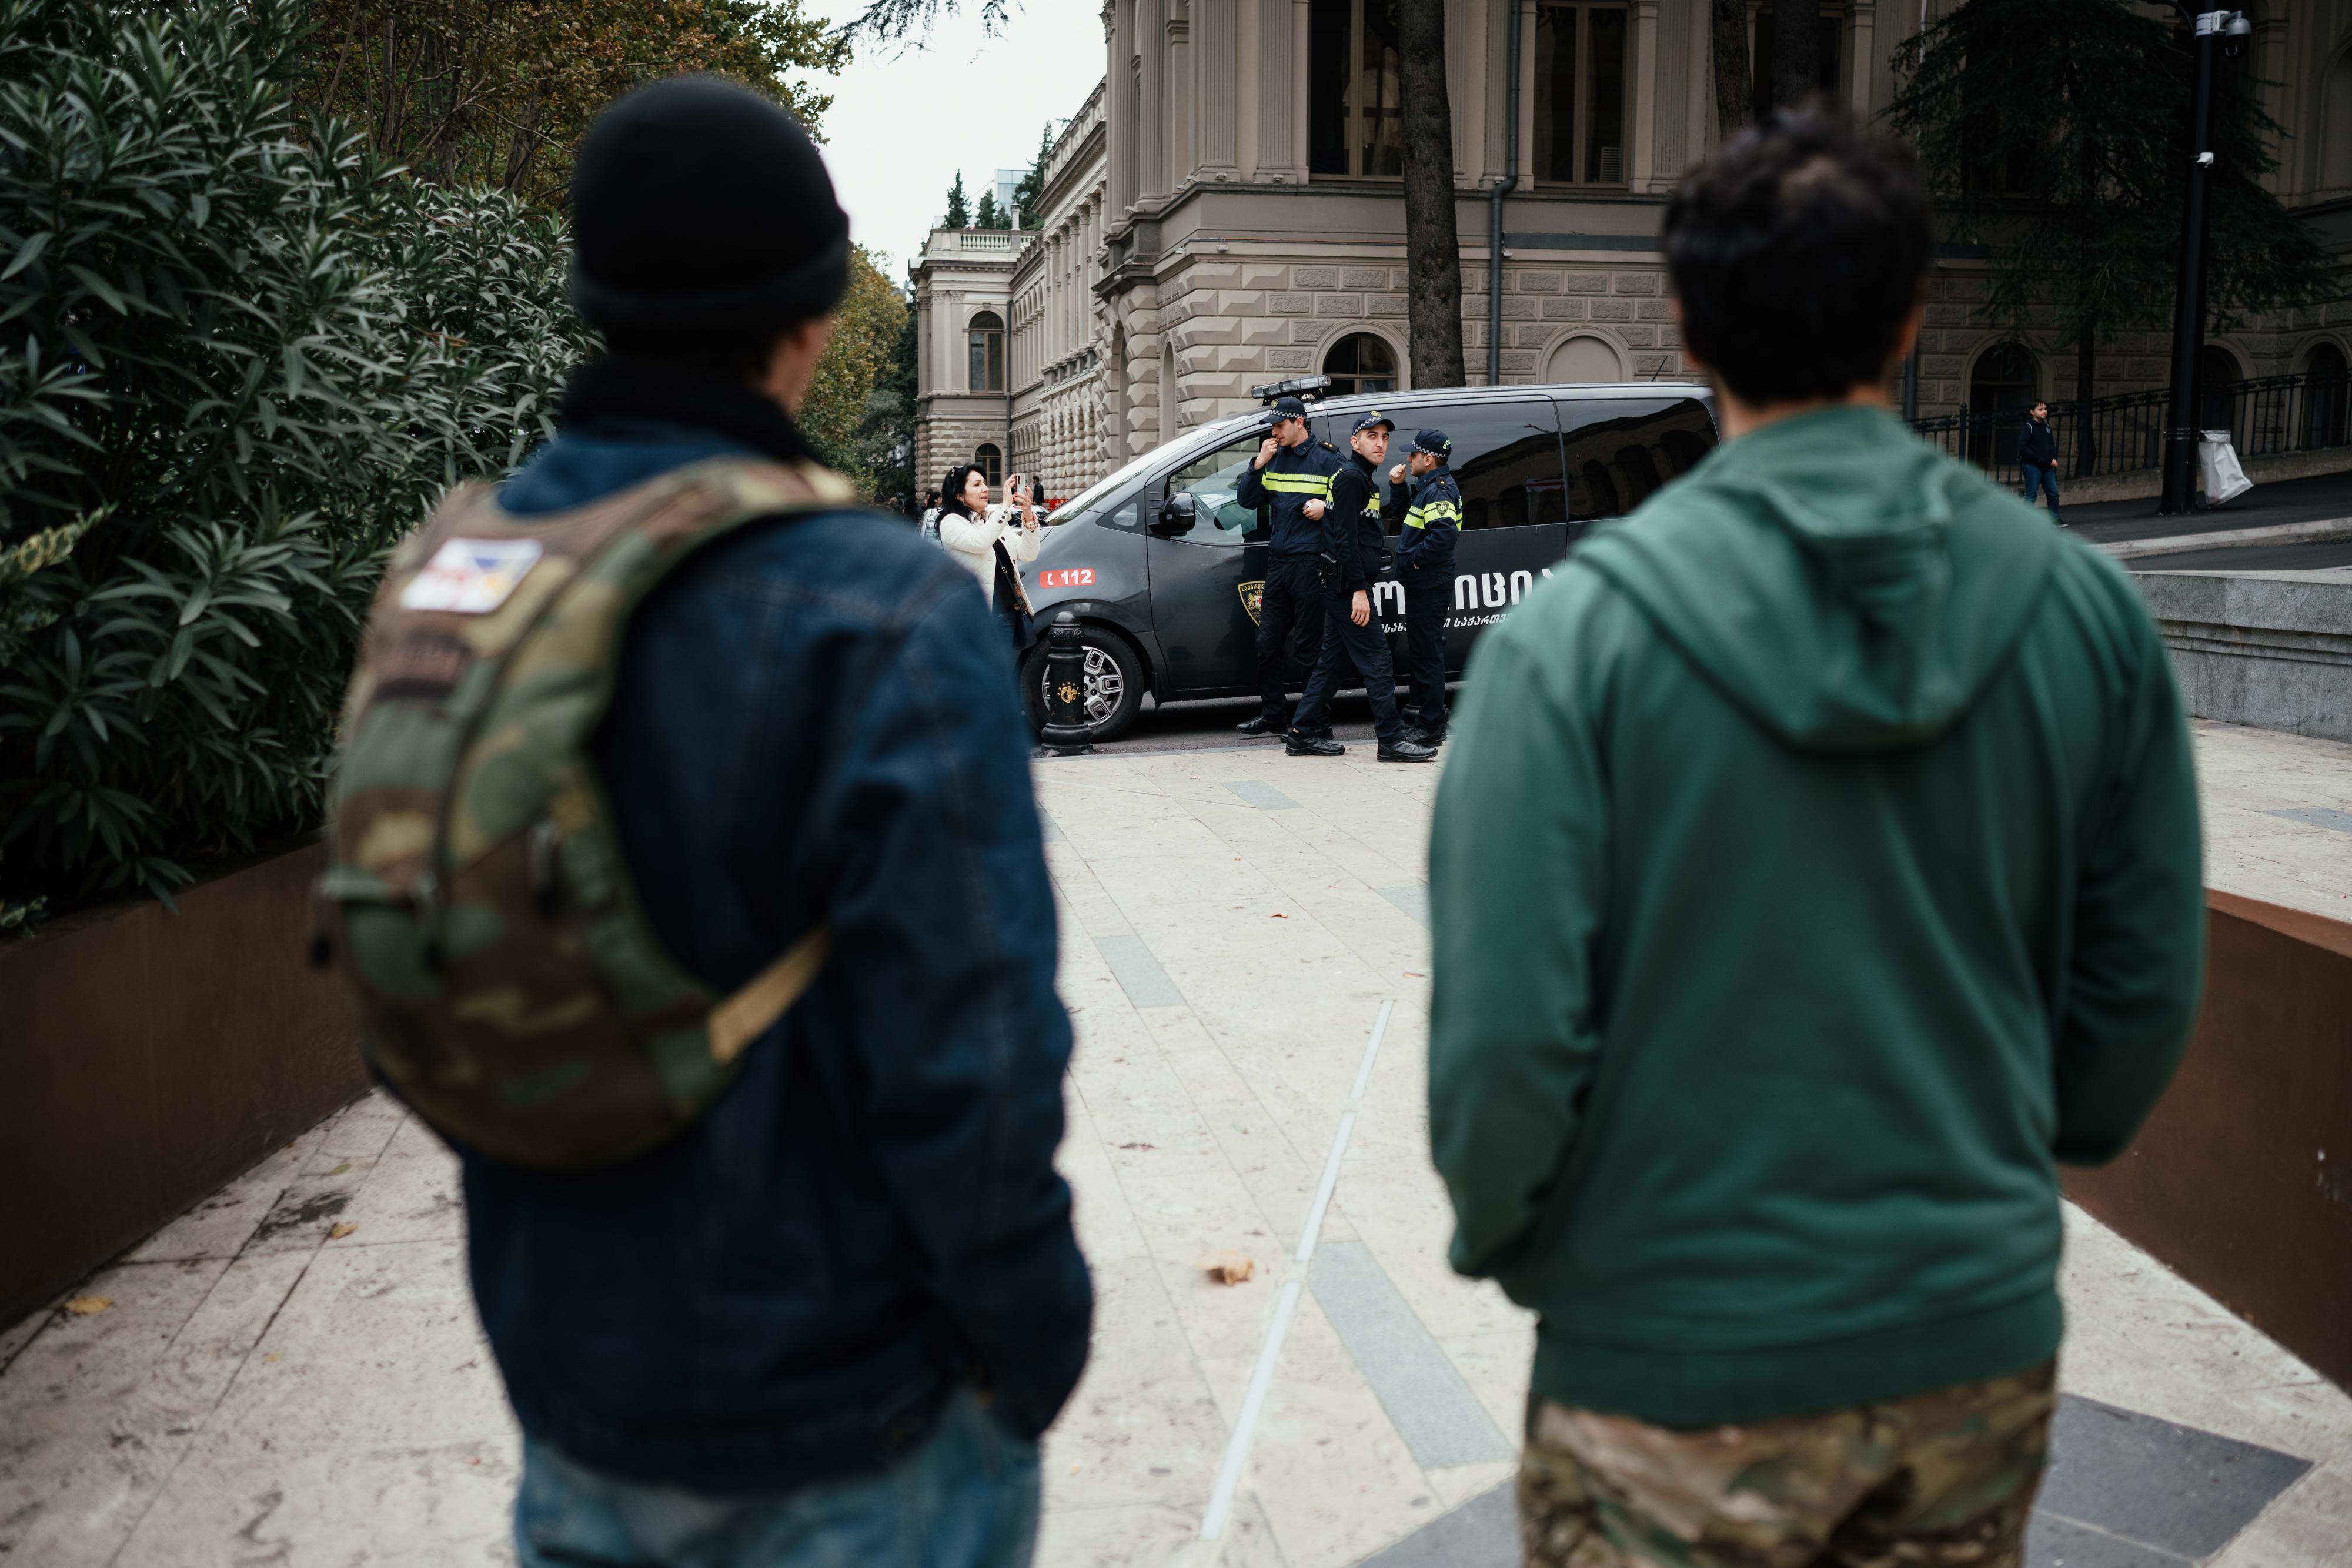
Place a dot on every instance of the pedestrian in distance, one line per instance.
(1817, 869)
(1348, 566)
(2037, 458)
(993, 542)
(763, 1224)
(1426, 504)
(930, 521)
(1291, 473)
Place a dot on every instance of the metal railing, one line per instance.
(2266, 416)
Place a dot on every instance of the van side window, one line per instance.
(1211, 479)
(1619, 453)
(1506, 458)
(1125, 514)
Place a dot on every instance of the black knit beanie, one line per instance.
(702, 220)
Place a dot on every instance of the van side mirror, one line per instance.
(1177, 513)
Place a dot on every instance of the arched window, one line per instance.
(1360, 362)
(2005, 383)
(2328, 398)
(2335, 127)
(987, 339)
(991, 463)
(1584, 361)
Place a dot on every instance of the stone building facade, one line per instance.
(1226, 210)
(962, 300)
(1062, 421)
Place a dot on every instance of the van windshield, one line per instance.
(1118, 481)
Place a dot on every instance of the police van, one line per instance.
(1162, 567)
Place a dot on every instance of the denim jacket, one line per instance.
(815, 720)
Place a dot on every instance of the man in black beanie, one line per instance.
(829, 1320)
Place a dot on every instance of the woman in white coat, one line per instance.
(992, 543)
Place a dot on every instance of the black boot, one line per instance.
(1406, 751)
(1297, 743)
(1422, 735)
(1261, 724)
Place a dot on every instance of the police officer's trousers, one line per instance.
(1424, 646)
(1366, 649)
(1291, 607)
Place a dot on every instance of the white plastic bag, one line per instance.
(2218, 460)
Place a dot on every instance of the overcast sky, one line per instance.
(901, 126)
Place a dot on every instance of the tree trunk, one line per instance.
(1729, 24)
(2087, 324)
(1432, 254)
(2087, 367)
(1796, 54)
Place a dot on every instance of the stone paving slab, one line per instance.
(2278, 816)
(262, 1390)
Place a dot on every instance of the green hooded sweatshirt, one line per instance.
(1816, 867)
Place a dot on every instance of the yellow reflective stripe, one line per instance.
(1413, 521)
(1304, 484)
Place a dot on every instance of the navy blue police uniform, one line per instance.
(1429, 524)
(1290, 604)
(1353, 543)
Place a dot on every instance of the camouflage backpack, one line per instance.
(476, 893)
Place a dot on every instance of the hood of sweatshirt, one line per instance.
(1845, 584)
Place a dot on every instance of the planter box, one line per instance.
(2238, 1180)
(147, 1057)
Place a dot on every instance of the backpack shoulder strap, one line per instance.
(743, 1018)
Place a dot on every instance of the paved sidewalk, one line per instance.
(2278, 818)
(2308, 500)
(292, 1374)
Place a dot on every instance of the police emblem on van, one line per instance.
(1253, 596)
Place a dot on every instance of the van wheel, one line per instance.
(1114, 682)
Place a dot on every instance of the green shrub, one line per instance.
(238, 359)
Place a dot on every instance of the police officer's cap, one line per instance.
(1373, 420)
(1436, 443)
(1284, 408)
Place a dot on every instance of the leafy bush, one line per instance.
(237, 361)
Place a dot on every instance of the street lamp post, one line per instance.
(2188, 306)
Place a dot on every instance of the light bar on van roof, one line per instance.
(1304, 388)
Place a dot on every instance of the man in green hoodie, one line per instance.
(1817, 868)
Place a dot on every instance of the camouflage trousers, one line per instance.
(1936, 1480)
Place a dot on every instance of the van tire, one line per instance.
(1110, 659)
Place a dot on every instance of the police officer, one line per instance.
(1292, 474)
(1424, 558)
(1349, 562)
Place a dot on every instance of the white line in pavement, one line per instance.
(1372, 1049)
(1323, 1194)
(1228, 1474)
(1237, 1447)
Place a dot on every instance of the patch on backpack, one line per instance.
(471, 577)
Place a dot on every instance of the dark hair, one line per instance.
(951, 488)
(1798, 251)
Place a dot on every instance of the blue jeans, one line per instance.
(2043, 479)
(966, 1498)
